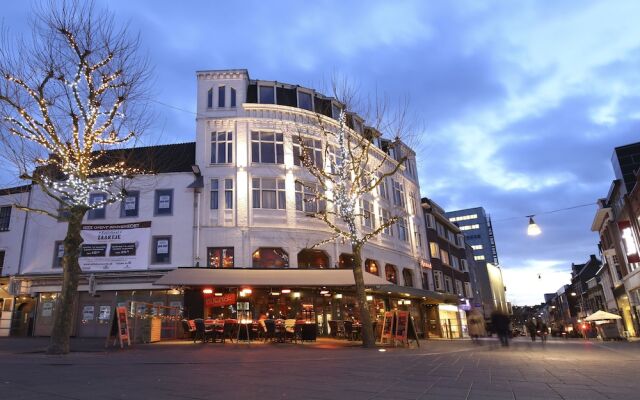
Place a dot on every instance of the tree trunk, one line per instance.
(368, 336)
(63, 321)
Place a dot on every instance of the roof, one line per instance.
(265, 277)
(15, 190)
(178, 157)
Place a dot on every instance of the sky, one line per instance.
(521, 103)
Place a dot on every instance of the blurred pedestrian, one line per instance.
(500, 322)
(476, 325)
(532, 329)
(541, 329)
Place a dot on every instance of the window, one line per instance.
(467, 290)
(385, 217)
(221, 99)
(469, 227)
(437, 280)
(479, 258)
(368, 218)
(312, 149)
(232, 93)
(390, 273)
(267, 94)
(431, 222)
(371, 266)
(455, 262)
(1, 261)
(451, 237)
(459, 289)
(477, 246)
(5, 218)
(215, 194)
(412, 203)
(228, 194)
(407, 276)
(58, 253)
(448, 285)
(398, 193)
(130, 205)
(221, 147)
(220, 257)
(335, 111)
(313, 259)
(418, 239)
(270, 257)
(410, 168)
(267, 148)
(306, 198)
(304, 100)
(444, 256)
(434, 249)
(99, 212)
(336, 159)
(164, 202)
(383, 188)
(460, 240)
(403, 233)
(464, 265)
(441, 231)
(463, 217)
(161, 252)
(269, 193)
(210, 98)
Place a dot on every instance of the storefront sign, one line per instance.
(402, 326)
(115, 247)
(47, 308)
(88, 313)
(105, 313)
(226, 299)
(387, 326)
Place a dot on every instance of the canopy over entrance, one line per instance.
(237, 277)
(414, 293)
(602, 315)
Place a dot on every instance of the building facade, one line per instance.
(227, 208)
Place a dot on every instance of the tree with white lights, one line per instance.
(350, 170)
(68, 96)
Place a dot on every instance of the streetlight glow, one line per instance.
(533, 229)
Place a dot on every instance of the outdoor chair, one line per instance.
(202, 332)
(230, 330)
(189, 331)
(333, 327)
(348, 329)
(290, 330)
(308, 332)
(269, 329)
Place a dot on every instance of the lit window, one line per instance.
(469, 227)
(220, 257)
(267, 147)
(221, 147)
(444, 256)
(390, 273)
(463, 217)
(479, 258)
(434, 249)
(268, 193)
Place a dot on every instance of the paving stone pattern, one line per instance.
(562, 369)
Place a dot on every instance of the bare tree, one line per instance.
(73, 91)
(351, 168)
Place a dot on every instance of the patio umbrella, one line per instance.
(602, 315)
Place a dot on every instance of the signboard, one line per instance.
(115, 247)
(88, 313)
(226, 299)
(123, 326)
(387, 326)
(47, 308)
(402, 326)
(105, 313)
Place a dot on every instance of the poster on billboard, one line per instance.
(114, 247)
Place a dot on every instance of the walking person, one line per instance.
(500, 323)
(532, 329)
(476, 325)
(542, 330)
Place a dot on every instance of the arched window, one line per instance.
(371, 266)
(270, 257)
(346, 261)
(313, 259)
(407, 276)
(391, 273)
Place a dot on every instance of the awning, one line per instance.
(602, 315)
(415, 293)
(236, 277)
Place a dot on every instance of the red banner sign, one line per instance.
(226, 299)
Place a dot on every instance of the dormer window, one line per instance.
(335, 111)
(357, 126)
(221, 99)
(267, 94)
(304, 100)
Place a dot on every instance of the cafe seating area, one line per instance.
(345, 329)
(264, 330)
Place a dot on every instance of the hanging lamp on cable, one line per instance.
(533, 229)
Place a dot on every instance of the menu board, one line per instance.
(387, 327)
(402, 325)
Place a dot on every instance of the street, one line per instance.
(559, 369)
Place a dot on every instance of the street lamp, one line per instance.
(533, 229)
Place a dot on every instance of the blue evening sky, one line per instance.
(523, 101)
